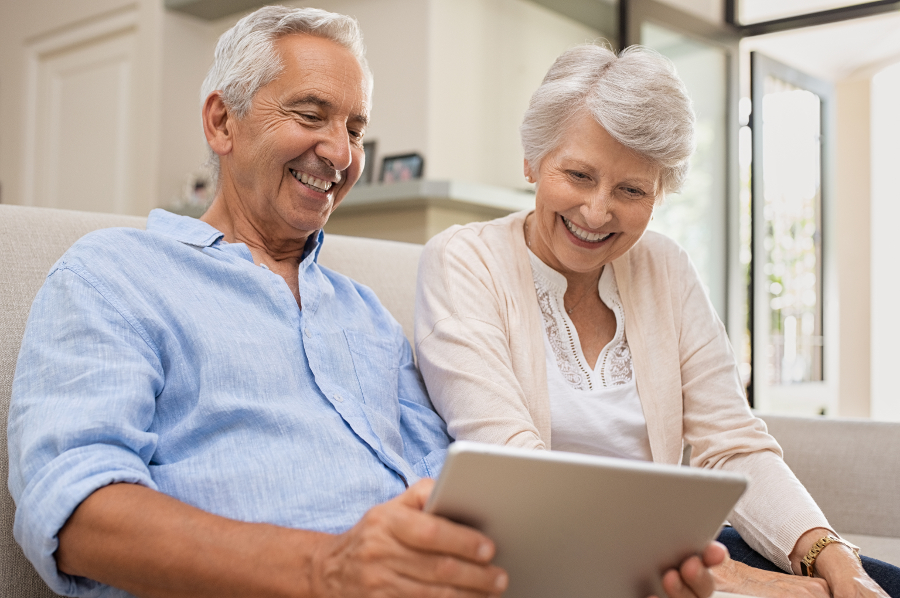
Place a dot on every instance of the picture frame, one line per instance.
(402, 167)
(367, 175)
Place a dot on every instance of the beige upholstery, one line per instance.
(854, 472)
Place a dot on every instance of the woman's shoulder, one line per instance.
(479, 241)
(657, 248)
(489, 233)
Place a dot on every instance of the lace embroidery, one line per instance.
(615, 364)
(568, 364)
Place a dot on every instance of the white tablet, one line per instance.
(569, 525)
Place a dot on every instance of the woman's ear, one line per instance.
(217, 124)
(527, 169)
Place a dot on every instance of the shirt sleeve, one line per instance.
(776, 509)
(463, 345)
(82, 406)
(423, 430)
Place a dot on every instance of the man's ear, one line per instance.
(217, 124)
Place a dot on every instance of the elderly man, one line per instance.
(199, 409)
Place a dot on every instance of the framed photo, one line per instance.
(405, 167)
(369, 168)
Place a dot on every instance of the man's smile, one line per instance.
(311, 181)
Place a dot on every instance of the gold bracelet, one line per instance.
(807, 565)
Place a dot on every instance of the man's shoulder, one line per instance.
(118, 249)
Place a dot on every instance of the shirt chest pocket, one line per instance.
(376, 361)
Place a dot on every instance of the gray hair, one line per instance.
(635, 96)
(246, 59)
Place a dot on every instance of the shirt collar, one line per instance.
(185, 229)
(197, 233)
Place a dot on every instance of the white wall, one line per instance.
(34, 34)
(852, 216)
(486, 59)
(885, 250)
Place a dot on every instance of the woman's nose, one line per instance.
(597, 211)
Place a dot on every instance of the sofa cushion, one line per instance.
(850, 467)
(31, 240)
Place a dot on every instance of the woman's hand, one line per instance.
(845, 575)
(694, 579)
(838, 566)
(738, 578)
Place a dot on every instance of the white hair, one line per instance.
(635, 96)
(246, 58)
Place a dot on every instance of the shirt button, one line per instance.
(307, 333)
(339, 398)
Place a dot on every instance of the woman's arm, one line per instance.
(776, 516)
(465, 318)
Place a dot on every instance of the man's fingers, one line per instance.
(425, 532)
(414, 587)
(451, 571)
(417, 495)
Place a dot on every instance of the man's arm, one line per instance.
(150, 544)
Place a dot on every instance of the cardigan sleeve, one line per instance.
(776, 509)
(464, 311)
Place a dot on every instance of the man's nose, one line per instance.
(334, 147)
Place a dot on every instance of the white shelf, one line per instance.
(441, 192)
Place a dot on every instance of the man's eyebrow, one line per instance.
(309, 99)
(315, 100)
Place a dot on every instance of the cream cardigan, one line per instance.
(479, 342)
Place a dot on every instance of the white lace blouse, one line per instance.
(592, 410)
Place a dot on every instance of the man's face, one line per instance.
(299, 150)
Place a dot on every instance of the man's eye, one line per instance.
(307, 116)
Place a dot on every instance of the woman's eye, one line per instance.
(634, 191)
(578, 175)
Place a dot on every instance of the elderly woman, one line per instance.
(572, 328)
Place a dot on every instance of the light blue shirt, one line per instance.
(167, 358)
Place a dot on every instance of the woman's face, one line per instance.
(594, 200)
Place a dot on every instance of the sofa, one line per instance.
(851, 467)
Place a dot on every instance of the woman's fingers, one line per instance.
(692, 580)
(715, 554)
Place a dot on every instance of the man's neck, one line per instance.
(280, 255)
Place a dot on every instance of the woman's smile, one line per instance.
(582, 234)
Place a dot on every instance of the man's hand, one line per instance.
(398, 550)
(693, 579)
(153, 545)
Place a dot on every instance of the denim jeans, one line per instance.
(885, 574)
